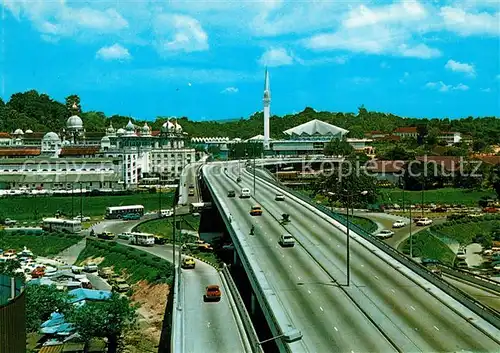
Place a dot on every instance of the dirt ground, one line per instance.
(152, 299)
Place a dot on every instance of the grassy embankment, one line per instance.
(438, 196)
(133, 264)
(431, 243)
(163, 228)
(33, 209)
(41, 245)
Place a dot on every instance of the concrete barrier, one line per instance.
(177, 334)
(242, 311)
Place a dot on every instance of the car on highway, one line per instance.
(106, 235)
(256, 210)
(124, 236)
(286, 240)
(245, 193)
(385, 234)
(212, 293)
(188, 262)
(279, 197)
(399, 224)
(424, 222)
(231, 193)
(82, 218)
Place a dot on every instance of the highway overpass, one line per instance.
(387, 306)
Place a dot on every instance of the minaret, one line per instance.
(267, 109)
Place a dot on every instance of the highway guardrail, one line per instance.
(177, 333)
(472, 304)
(242, 311)
(471, 277)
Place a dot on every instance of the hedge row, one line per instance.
(47, 244)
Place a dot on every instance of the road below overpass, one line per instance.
(397, 313)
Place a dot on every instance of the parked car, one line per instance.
(212, 293)
(120, 285)
(81, 218)
(105, 272)
(461, 254)
(9, 222)
(188, 262)
(286, 240)
(90, 267)
(279, 197)
(231, 193)
(131, 216)
(399, 224)
(256, 210)
(385, 234)
(439, 209)
(424, 222)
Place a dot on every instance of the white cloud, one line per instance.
(113, 52)
(230, 90)
(179, 33)
(276, 57)
(468, 23)
(442, 87)
(404, 78)
(421, 51)
(457, 66)
(486, 90)
(58, 19)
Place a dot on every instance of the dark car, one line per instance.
(231, 193)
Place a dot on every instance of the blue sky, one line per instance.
(206, 59)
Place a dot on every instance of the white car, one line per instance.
(461, 254)
(245, 193)
(399, 224)
(424, 222)
(81, 218)
(385, 234)
(286, 240)
(279, 197)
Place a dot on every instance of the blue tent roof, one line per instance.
(88, 294)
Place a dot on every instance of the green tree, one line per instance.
(346, 185)
(41, 301)
(9, 268)
(109, 318)
(73, 105)
(338, 147)
(422, 132)
(214, 150)
(397, 153)
(495, 179)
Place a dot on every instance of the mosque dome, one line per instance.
(146, 130)
(29, 131)
(51, 136)
(130, 126)
(168, 126)
(120, 131)
(110, 129)
(18, 132)
(74, 122)
(178, 127)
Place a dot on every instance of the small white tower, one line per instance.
(267, 109)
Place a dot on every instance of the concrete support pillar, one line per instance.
(252, 303)
(235, 257)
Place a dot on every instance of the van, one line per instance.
(245, 193)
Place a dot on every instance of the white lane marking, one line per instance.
(362, 265)
(436, 328)
(392, 290)
(336, 329)
(377, 277)
(290, 266)
(208, 324)
(299, 278)
(352, 351)
(412, 307)
(321, 308)
(309, 291)
(338, 246)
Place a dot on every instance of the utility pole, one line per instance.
(72, 200)
(411, 239)
(253, 153)
(423, 187)
(81, 201)
(348, 253)
(159, 201)
(403, 185)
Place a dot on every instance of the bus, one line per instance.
(196, 207)
(119, 211)
(146, 239)
(61, 225)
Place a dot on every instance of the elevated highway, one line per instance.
(386, 308)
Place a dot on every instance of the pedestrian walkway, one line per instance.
(70, 254)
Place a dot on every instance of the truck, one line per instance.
(9, 222)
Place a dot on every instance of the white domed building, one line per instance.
(51, 143)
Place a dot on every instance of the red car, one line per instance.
(212, 293)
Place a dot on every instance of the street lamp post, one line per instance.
(72, 200)
(411, 240)
(348, 250)
(81, 201)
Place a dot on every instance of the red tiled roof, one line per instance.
(376, 166)
(78, 151)
(155, 133)
(407, 129)
(494, 160)
(378, 133)
(19, 152)
(5, 135)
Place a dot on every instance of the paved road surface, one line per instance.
(413, 319)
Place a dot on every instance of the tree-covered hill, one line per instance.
(38, 112)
